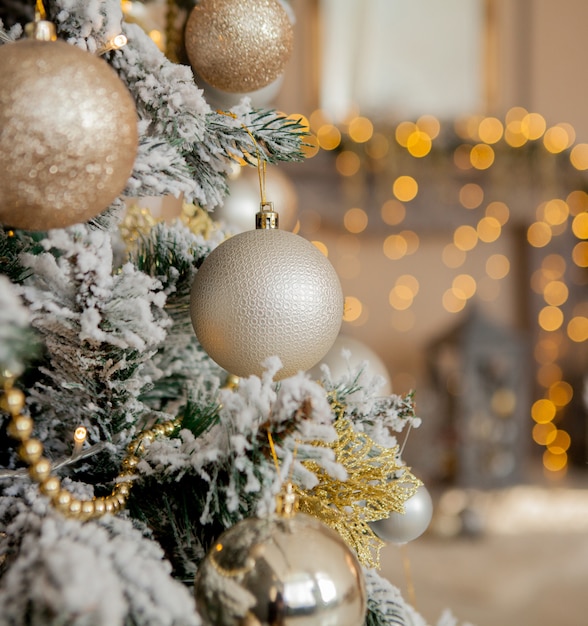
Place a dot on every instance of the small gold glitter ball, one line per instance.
(68, 135)
(266, 293)
(239, 46)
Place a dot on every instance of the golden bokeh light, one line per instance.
(347, 163)
(544, 434)
(412, 241)
(561, 393)
(554, 462)
(410, 281)
(378, 146)
(546, 350)
(429, 124)
(560, 443)
(555, 292)
(556, 139)
(497, 266)
(452, 302)
(514, 136)
(355, 220)
(543, 411)
(328, 136)
(360, 129)
(471, 196)
(499, 211)
(400, 297)
(548, 374)
(419, 144)
(580, 254)
(490, 130)
(465, 237)
(577, 329)
(352, 309)
(553, 266)
(452, 256)
(464, 286)
(393, 212)
(577, 201)
(395, 247)
(405, 188)
(317, 119)
(554, 212)
(550, 318)
(403, 131)
(482, 156)
(579, 156)
(533, 126)
(580, 225)
(516, 114)
(539, 234)
(488, 229)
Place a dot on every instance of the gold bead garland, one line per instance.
(31, 452)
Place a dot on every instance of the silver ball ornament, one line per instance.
(359, 355)
(265, 293)
(292, 571)
(404, 527)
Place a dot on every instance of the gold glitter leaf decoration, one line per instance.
(377, 484)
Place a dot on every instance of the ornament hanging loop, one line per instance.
(266, 218)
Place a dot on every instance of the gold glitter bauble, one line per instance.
(239, 45)
(266, 293)
(289, 571)
(68, 135)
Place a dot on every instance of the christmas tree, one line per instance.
(125, 449)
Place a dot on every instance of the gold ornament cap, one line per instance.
(266, 218)
(287, 502)
(41, 30)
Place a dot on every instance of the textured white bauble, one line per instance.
(404, 527)
(266, 293)
(242, 203)
(359, 355)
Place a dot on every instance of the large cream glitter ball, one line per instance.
(239, 45)
(266, 293)
(68, 135)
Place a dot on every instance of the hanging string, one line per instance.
(260, 162)
(41, 14)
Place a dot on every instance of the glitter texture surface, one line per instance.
(68, 135)
(239, 46)
(266, 293)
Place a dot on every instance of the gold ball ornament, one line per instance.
(238, 45)
(68, 135)
(263, 293)
(288, 571)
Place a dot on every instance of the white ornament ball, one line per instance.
(289, 571)
(266, 293)
(359, 355)
(404, 527)
(242, 203)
